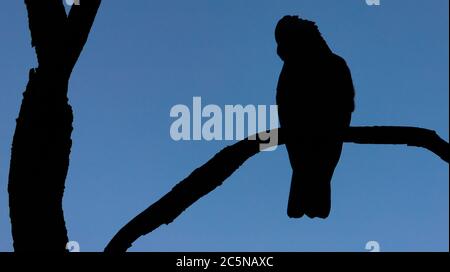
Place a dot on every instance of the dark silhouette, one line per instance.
(42, 140)
(213, 173)
(315, 101)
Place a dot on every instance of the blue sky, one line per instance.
(145, 57)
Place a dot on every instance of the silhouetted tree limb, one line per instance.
(411, 136)
(212, 174)
(80, 20)
(42, 139)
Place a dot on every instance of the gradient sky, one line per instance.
(146, 56)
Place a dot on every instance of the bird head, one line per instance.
(298, 38)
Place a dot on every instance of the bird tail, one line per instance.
(310, 195)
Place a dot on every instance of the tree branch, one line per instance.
(80, 20)
(42, 139)
(56, 34)
(47, 23)
(212, 174)
(411, 136)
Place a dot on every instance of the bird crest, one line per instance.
(296, 37)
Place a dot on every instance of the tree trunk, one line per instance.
(42, 139)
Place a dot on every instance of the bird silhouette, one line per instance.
(315, 98)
